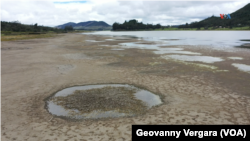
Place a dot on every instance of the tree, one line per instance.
(68, 28)
(248, 22)
(134, 25)
(115, 26)
(158, 26)
(16, 26)
(35, 27)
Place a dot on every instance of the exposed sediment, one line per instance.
(192, 94)
(121, 99)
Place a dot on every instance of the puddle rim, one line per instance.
(161, 96)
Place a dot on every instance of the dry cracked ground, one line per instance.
(34, 69)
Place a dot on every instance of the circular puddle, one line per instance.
(101, 101)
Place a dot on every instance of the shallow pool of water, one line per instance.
(93, 41)
(205, 59)
(145, 96)
(137, 45)
(235, 58)
(117, 49)
(172, 51)
(242, 67)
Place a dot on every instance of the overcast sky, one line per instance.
(57, 12)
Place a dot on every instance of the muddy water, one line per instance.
(148, 98)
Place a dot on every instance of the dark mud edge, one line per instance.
(102, 119)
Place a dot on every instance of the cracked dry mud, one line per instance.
(192, 95)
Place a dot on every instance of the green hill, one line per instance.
(240, 17)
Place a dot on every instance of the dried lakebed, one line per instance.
(192, 92)
(101, 101)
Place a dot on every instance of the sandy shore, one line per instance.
(34, 69)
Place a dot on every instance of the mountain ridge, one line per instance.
(88, 25)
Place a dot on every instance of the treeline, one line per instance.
(134, 25)
(216, 22)
(16, 26)
(68, 28)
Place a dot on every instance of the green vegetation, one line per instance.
(134, 25)
(16, 26)
(26, 35)
(23, 36)
(11, 31)
(240, 20)
(168, 28)
(202, 28)
(68, 28)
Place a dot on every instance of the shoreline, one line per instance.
(180, 30)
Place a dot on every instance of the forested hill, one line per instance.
(89, 25)
(16, 26)
(134, 25)
(240, 17)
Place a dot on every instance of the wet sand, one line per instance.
(32, 70)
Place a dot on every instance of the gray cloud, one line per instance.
(164, 12)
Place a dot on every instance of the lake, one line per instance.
(208, 38)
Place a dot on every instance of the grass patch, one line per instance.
(12, 36)
(25, 36)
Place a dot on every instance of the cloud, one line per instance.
(56, 12)
(67, 2)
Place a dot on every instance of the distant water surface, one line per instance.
(211, 38)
